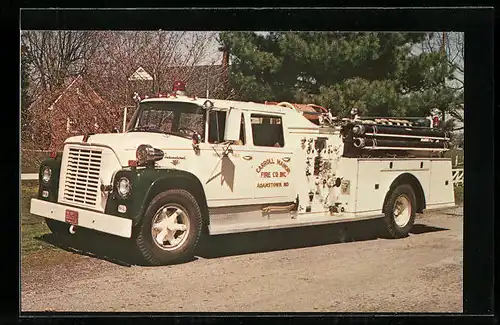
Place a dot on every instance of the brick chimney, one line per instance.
(225, 67)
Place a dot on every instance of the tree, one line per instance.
(105, 60)
(25, 97)
(57, 56)
(165, 55)
(452, 45)
(374, 72)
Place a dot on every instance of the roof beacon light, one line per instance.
(179, 85)
(179, 88)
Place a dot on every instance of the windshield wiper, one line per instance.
(145, 128)
(150, 128)
(179, 134)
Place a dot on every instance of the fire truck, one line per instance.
(188, 166)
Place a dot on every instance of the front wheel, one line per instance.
(171, 228)
(399, 211)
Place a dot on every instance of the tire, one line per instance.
(58, 228)
(400, 225)
(161, 244)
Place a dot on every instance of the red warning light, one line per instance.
(179, 86)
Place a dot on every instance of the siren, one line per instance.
(179, 85)
(179, 88)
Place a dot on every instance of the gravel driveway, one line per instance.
(335, 268)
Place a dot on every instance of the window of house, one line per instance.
(217, 125)
(267, 131)
(72, 126)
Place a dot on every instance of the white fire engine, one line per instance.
(187, 166)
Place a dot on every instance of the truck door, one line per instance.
(226, 177)
(272, 158)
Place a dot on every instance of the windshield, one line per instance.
(169, 117)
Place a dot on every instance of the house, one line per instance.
(75, 109)
(200, 80)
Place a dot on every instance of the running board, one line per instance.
(440, 207)
(300, 221)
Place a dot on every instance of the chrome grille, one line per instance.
(82, 176)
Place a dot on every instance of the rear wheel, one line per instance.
(171, 228)
(399, 211)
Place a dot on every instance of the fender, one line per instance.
(146, 183)
(407, 178)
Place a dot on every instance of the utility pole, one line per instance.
(139, 76)
(208, 84)
(443, 48)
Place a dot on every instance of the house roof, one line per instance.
(181, 71)
(48, 100)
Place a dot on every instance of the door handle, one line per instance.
(247, 157)
(286, 159)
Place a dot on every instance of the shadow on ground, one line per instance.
(422, 229)
(122, 252)
(87, 243)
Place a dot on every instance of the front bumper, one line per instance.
(87, 219)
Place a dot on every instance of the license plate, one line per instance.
(71, 217)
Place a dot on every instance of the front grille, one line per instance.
(82, 176)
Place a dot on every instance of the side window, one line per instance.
(216, 126)
(267, 131)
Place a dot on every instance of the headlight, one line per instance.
(146, 153)
(46, 174)
(123, 187)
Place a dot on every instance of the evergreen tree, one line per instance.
(375, 72)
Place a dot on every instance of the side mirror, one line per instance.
(208, 105)
(233, 125)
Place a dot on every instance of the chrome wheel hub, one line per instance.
(170, 227)
(402, 210)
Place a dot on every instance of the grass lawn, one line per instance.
(32, 227)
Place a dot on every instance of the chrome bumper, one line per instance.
(87, 219)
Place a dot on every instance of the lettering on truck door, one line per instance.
(272, 172)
